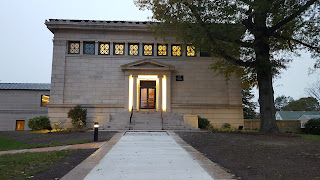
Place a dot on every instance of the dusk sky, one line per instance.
(26, 48)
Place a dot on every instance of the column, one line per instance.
(135, 100)
(159, 91)
(169, 93)
(126, 92)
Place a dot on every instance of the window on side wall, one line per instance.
(148, 49)
(176, 50)
(45, 100)
(118, 49)
(104, 48)
(191, 51)
(162, 50)
(74, 47)
(88, 48)
(133, 49)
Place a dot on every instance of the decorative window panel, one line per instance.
(88, 48)
(133, 49)
(74, 48)
(176, 50)
(104, 48)
(118, 49)
(191, 51)
(162, 50)
(148, 49)
(44, 100)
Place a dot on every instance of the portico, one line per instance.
(148, 85)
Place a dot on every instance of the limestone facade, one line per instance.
(110, 84)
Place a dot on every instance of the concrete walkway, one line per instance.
(93, 145)
(156, 156)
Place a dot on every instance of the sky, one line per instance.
(26, 48)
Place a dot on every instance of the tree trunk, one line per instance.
(266, 99)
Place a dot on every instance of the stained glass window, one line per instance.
(88, 48)
(44, 100)
(118, 49)
(104, 48)
(191, 51)
(176, 50)
(74, 48)
(148, 49)
(133, 49)
(162, 49)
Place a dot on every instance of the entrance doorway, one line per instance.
(20, 125)
(147, 94)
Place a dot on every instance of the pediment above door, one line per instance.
(147, 65)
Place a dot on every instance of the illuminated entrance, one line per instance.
(147, 94)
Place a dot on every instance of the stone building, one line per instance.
(127, 78)
(20, 102)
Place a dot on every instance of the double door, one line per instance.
(147, 95)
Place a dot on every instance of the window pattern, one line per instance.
(176, 50)
(191, 51)
(74, 48)
(44, 100)
(133, 50)
(88, 47)
(104, 48)
(148, 49)
(162, 50)
(118, 49)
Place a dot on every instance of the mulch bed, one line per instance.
(61, 168)
(30, 137)
(256, 156)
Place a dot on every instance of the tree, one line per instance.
(282, 101)
(249, 106)
(314, 90)
(253, 39)
(303, 104)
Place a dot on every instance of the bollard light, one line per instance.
(95, 135)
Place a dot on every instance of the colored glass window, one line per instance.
(162, 50)
(74, 48)
(44, 100)
(88, 48)
(176, 50)
(118, 49)
(191, 51)
(133, 49)
(148, 49)
(104, 48)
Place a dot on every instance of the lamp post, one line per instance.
(95, 136)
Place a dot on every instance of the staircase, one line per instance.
(146, 120)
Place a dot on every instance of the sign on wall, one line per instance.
(179, 78)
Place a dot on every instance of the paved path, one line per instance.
(57, 148)
(150, 155)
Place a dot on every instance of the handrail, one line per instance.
(131, 114)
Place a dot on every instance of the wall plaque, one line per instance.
(179, 78)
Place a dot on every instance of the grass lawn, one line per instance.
(26, 165)
(11, 144)
(310, 136)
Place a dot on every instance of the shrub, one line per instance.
(226, 126)
(78, 116)
(203, 123)
(313, 126)
(39, 123)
